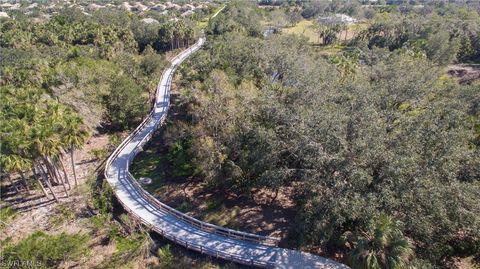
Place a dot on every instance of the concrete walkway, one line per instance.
(171, 223)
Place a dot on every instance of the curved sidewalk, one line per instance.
(169, 222)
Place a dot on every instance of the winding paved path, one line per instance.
(202, 237)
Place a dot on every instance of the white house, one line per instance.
(140, 7)
(126, 6)
(170, 5)
(32, 6)
(337, 19)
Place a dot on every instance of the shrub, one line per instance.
(46, 250)
(63, 213)
(6, 214)
(179, 158)
(101, 197)
(166, 256)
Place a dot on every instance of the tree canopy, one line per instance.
(376, 131)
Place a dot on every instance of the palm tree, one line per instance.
(17, 155)
(177, 32)
(74, 137)
(167, 35)
(34, 172)
(384, 246)
(46, 143)
(49, 184)
(32, 135)
(188, 34)
(58, 161)
(170, 35)
(15, 148)
(14, 163)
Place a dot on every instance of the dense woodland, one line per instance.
(72, 76)
(380, 145)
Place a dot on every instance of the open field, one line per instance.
(306, 28)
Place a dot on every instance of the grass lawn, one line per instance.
(304, 28)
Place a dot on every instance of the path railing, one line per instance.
(207, 227)
(201, 248)
(194, 246)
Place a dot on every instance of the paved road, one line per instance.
(171, 226)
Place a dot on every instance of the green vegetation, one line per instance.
(6, 214)
(380, 149)
(166, 256)
(132, 243)
(179, 159)
(129, 246)
(101, 196)
(99, 153)
(63, 79)
(63, 213)
(45, 251)
(442, 35)
(172, 256)
(384, 246)
(36, 131)
(152, 163)
(373, 129)
(72, 75)
(125, 107)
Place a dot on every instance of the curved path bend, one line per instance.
(205, 238)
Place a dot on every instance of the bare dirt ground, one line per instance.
(465, 73)
(255, 214)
